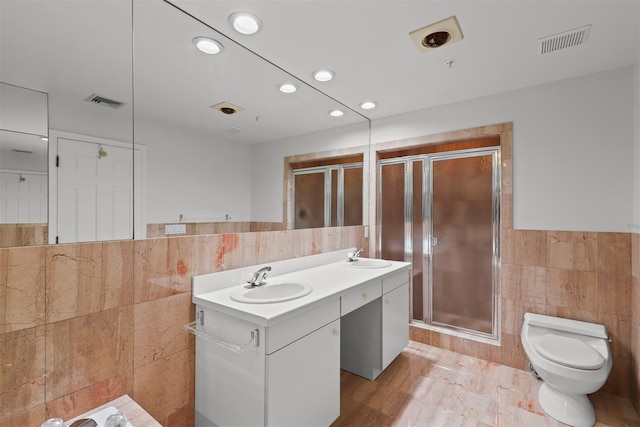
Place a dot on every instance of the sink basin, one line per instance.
(271, 292)
(368, 263)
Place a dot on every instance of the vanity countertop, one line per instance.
(328, 281)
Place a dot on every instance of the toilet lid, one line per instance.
(569, 352)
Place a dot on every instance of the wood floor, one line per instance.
(429, 386)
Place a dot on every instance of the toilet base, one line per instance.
(572, 409)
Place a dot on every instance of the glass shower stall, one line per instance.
(440, 211)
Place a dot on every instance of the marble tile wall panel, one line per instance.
(13, 235)
(88, 278)
(22, 369)
(162, 267)
(166, 385)
(33, 417)
(88, 350)
(84, 399)
(158, 331)
(572, 250)
(22, 288)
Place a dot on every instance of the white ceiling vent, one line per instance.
(563, 40)
(233, 129)
(105, 102)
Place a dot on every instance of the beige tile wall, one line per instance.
(82, 324)
(23, 234)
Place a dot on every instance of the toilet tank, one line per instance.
(560, 324)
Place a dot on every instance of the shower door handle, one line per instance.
(434, 241)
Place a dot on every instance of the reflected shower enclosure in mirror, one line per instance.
(59, 71)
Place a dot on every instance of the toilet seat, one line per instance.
(569, 352)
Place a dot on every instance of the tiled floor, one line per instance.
(429, 386)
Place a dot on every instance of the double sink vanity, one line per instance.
(271, 354)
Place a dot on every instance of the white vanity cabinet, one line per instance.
(278, 363)
(374, 333)
(288, 376)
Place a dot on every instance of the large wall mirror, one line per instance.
(207, 171)
(93, 89)
(67, 121)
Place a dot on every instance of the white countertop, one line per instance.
(328, 281)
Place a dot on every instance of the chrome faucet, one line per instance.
(354, 256)
(258, 278)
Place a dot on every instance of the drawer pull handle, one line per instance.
(336, 332)
(365, 295)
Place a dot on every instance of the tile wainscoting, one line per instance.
(83, 324)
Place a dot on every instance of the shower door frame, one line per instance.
(427, 237)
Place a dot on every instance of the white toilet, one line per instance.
(573, 359)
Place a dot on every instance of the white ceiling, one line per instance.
(73, 48)
(367, 44)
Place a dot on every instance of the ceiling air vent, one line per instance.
(232, 129)
(105, 102)
(563, 40)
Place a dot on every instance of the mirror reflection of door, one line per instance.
(328, 196)
(94, 191)
(23, 197)
(23, 166)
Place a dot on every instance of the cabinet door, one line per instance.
(395, 323)
(303, 380)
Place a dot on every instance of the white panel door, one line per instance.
(23, 198)
(95, 191)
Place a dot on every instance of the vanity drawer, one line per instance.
(391, 282)
(361, 296)
(287, 331)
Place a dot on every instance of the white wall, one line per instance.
(78, 116)
(573, 147)
(268, 164)
(192, 175)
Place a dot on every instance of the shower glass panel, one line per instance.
(352, 196)
(462, 213)
(309, 200)
(392, 211)
(335, 187)
(417, 238)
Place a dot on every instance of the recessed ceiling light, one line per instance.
(207, 45)
(245, 23)
(368, 105)
(336, 113)
(287, 88)
(323, 75)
